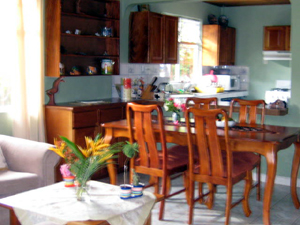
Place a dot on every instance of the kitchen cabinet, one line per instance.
(76, 122)
(75, 35)
(153, 38)
(218, 45)
(277, 38)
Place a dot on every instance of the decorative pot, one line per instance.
(69, 181)
(137, 190)
(125, 191)
(107, 66)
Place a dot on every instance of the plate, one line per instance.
(222, 123)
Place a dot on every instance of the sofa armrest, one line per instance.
(24, 155)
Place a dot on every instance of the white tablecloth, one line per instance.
(58, 204)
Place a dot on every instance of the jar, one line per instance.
(127, 89)
(107, 66)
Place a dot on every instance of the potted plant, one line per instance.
(137, 187)
(129, 151)
(84, 162)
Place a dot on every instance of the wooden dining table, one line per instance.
(266, 140)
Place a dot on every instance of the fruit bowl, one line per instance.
(221, 123)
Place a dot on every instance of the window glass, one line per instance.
(189, 52)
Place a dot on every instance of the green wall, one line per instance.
(249, 23)
(80, 88)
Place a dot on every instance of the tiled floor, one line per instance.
(283, 211)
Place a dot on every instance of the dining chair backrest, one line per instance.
(248, 110)
(203, 103)
(141, 124)
(211, 162)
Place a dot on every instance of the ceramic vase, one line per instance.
(175, 117)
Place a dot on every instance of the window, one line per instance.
(189, 52)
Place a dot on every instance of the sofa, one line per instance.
(29, 165)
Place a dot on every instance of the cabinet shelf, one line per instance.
(99, 56)
(89, 16)
(88, 36)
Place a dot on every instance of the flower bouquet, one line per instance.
(84, 162)
(171, 106)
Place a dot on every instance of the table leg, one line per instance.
(271, 158)
(294, 175)
(13, 218)
(112, 171)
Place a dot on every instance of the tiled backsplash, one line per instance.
(140, 71)
(146, 72)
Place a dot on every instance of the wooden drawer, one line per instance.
(85, 119)
(108, 115)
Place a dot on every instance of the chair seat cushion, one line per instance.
(12, 182)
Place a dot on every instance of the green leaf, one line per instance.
(130, 149)
(98, 136)
(73, 148)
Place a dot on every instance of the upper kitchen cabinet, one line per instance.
(80, 35)
(153, 38)
(277, 38)
(218, 45)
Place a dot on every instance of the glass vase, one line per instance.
(82, 192)
(175, 117)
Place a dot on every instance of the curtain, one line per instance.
(23, 62)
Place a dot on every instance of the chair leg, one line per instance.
(248, 187)
(155, 181)
(200, 188)
(191, 200)
(258, 182)
(228, 204)
(168, 186)
(210, 198)
(186, 185)
(164, 193)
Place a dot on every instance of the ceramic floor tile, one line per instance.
(283, 211)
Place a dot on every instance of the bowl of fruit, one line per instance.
(220, 122)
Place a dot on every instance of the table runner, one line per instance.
(59, 205)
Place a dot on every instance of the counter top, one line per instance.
(225, 94)
(107, 103)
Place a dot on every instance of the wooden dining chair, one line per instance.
(215, 165)
(248, 114)
(203, 103)
(161, 164)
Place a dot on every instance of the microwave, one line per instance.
(229, 82)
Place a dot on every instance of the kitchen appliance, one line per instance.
(274, 94)
(229, 82)
(282, 92)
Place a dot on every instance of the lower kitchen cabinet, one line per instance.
(76, 122)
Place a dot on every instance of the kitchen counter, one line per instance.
(81, 106)
(226, 94)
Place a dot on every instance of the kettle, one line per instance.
(161, 87)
